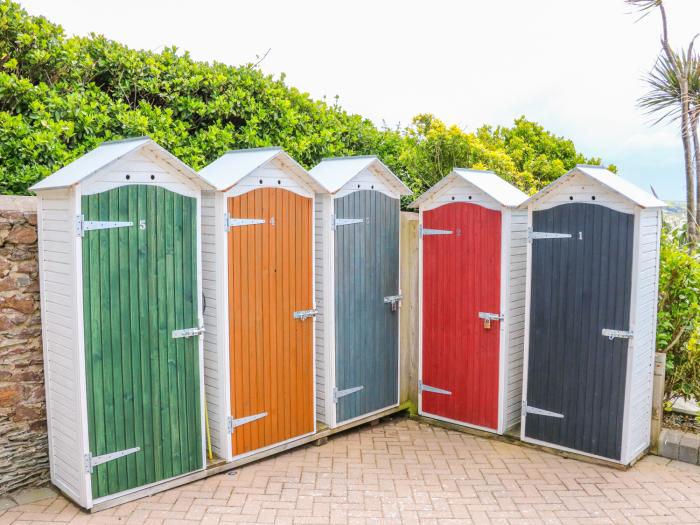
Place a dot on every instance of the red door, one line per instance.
(461, 278)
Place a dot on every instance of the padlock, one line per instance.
(487, 324)
(394, 306)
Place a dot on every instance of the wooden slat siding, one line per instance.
(128, 325)
(643, 344)
(214, 375)
(366, 271)
(321, 228)
(140, 166)
(578, 288)
(271, 353)
(459, 354)
(582, 189)
(57, 280)
(515, 317)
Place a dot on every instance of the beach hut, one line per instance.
(357, 241)
(257, 229)
(472, 268)
(592, 280)
(120, 285)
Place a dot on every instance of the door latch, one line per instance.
(394, 301)
(487, 317)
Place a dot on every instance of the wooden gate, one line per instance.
(271, 351)
(366, 326)
(140, 285)
(461, 280)
(581, 282)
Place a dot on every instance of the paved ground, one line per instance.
(406, 472)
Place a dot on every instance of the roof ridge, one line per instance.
(348, 157)
(120, 141)
(263, 148)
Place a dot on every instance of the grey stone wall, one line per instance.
(23, 438)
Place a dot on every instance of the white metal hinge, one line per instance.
(187, 332)
(81, 225)
(231, 222)
(344, 222)
(337, 394)
(620, 334)
(422, 387)
(305, 314)
(91, 462)
(430, 231)
(540, 412)
(231, 423)
(532, 235)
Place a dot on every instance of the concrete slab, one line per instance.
(689, 448)
(6, 503)
(23, 497)
(669, 443)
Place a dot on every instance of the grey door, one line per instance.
(366, 327)
(580, 286)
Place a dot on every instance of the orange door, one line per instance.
(271, 352)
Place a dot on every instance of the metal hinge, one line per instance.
(344, 222)
(305, 314)
(81, 225)
(91, 462)
(429, 231)
(233, 423)
(187, 332)
(337, 394)
(231, 222)
(540, 412)
(620, 334)
(426, 388)
(532, 235)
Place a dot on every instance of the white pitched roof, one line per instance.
(105, 154)
(487, 181)
(335, 173)
(608, 179)
(229, 169)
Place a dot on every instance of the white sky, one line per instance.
(573, 66)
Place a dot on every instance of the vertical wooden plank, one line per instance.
(179, 370)
(141, 293)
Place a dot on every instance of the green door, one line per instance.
(139, 285)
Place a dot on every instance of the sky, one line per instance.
(575, 67)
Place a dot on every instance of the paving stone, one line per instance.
(408, 472)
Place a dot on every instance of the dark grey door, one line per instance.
(366, 327)
(580, 286)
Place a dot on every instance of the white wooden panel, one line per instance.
(215, 375)
(141, 167)
(515, 317)
(584, 189)
(367, 179)
(271, 176)
(59, 309)
(459, 190)
(322, 273)
(643, 344)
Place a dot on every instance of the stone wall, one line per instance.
(23, 438)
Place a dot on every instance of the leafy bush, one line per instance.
(61, 96)
(678, 327)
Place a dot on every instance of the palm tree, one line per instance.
(676, 69)
(665, 98)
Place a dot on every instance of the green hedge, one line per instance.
(61, 96)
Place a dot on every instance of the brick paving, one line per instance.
(406, 472)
